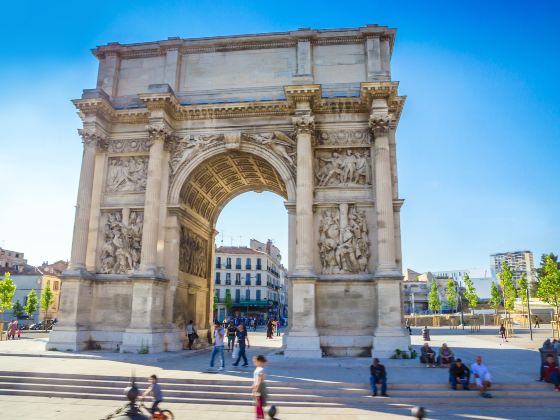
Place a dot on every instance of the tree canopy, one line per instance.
(434, 302)
(549, 283)
(508, 286)
(7, 291)
(470, 292)
(522, 287)
(32, 303)
(228, 301)
(451, 294)
(495, 297)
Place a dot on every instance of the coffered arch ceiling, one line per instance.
(222, 177)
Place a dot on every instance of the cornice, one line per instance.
(169, 103)
(246, 42)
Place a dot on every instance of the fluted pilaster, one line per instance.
(92, 140)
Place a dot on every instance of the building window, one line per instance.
(258, 283)
(237, 295)
(228, 262)
(258, 297)
(238, 279)
(248, 264)
(228, 279)
(259, 264)
(238, 263)
(218, 294)
(218, 280)
(248, 294)
(218, 262)
(247, 279)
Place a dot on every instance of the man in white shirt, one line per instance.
(482, 377)
(218, 345)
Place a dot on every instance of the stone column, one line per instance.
(159, 133)
(379, 124)
(303, 339)
(389, 333)
(91, 140)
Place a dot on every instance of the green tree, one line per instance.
(32, 303)
(540, 272)
(549, 284)
(470, 292)
(7, 290)
(508, 286)
(451, 294)
(228, 302)
(216, 301)
(495, 297)
(47, 298)
(18, 310)
(522, 289)
(434, 303)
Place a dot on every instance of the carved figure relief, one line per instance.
(129, 145)
(193, 253)
(349, 167)
(186, 147)
(279, 142)
(127, 174)
(343, 244)
(122, 243)
(343, 137)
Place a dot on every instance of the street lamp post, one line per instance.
(460, 303)
(529, 313)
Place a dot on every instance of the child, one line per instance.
(259, 386)
(154, 390)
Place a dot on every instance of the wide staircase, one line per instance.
(236, 391)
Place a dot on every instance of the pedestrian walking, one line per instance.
(219, 334)
(254, 324)
(242, 339)
(378, 376)
(269, 328)
(191, 333)
(259, 385)
(503, 333)
(537, 321)
(231, 330)
(407, 325)
(13, 329)
(278, 326)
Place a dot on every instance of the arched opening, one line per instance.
(206, 190)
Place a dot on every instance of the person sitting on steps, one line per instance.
(481, 377)
(427, 355)
(459, 374)
(445, 356)
(550, 372)
(378, 375)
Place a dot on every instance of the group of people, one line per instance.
(549, 371)
(459, 374)
(429, 357)
(13, 330)
(234, 334)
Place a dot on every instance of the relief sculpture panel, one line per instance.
(343, 137)
(127, 174)
(122, 243)
(185, 148)
(279, 143)
(193, 253)
(342, 167)
(343, 241)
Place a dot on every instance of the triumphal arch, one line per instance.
(175, 129)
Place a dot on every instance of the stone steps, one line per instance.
(305, 393)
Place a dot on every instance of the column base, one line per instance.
(151, 340)
(67, 338)
(305, 344)
(387, 340)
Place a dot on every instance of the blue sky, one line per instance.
(478, 142)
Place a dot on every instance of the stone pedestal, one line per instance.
(148, 330)
(389, 334)
(303, 339)
(72, 331)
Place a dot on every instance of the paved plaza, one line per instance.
(514, 367)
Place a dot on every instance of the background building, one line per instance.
(255, 279)
(12, 261)
(519, 261)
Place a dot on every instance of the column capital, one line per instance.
(304, 124)
(380, 123)
(93, 137)
(159, 131)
